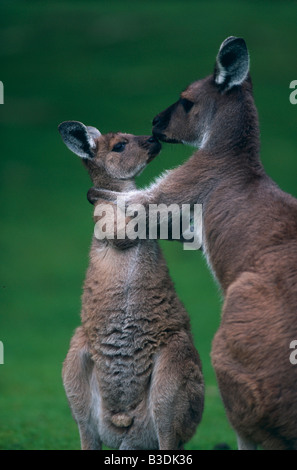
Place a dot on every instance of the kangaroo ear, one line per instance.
(79, 139)
(232, 65)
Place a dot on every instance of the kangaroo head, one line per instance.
(115, 156)
(190, 120)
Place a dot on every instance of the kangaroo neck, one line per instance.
(231, 175)
(102, 180)
(116, 185)
(231, 153)
(233, 136)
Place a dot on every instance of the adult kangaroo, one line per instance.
(250, 242)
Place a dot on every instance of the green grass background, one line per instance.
(113, 64)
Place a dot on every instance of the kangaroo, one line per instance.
(132, 375)
(250, 243)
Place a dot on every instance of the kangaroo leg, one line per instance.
(177, 392)
(77, 374)
(244, 355)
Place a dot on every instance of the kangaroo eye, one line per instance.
(187, 104)
(119, 147)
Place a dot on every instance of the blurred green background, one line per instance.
(112, 64)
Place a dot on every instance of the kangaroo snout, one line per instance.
(156, 120)
(160, 123)
(153, 146)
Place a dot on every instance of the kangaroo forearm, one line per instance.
(179, 186)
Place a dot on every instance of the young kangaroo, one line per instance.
(250, 242)
(132, 374)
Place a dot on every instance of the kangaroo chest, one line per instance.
(124, 360)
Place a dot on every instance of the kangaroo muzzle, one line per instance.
(161, 122)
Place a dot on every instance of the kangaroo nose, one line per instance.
(156, 120)
(152, 140)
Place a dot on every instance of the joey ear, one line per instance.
(79, 139)
(93, 132)
(232, 64)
